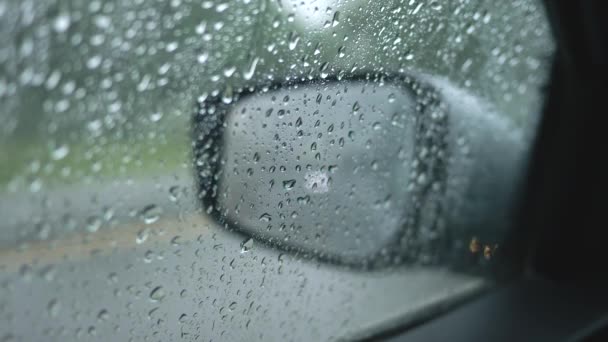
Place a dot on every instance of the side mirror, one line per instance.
(362, 170)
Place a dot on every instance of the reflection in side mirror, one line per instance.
(352, 171)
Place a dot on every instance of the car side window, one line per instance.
(257, 169)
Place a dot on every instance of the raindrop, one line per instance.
(93, 62)
(148, 256)
(142, 236)
(151, 213)
(289, 184)
(436, 5)
(336, 19)
(202, 58)
(374, 165)
(26, 272)
(155, 117)
(60, 152)
(62, 22)
(246, 245)
(103, 315)
(248, 73)
(172, 46)
(323, 70)
(221, 7)
(174, 193)
(157, 294)
(177, 240)
(201, 28)
(303, 200)
(227, 95)
(183, 318)
(265, 217)
(43, 230)
(93, 224)
(113, 278)
(421, 179)
(293, 42)
(53, 307)
(228, 72)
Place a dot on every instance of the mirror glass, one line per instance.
(359, 171)
(323, 166)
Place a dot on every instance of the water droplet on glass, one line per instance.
(303, 200)
(227, 95)
(53, 307)
(202, 58)
(183, 318)
(155, 117)
(374, 165)
(43, 230)
(436, 5)
(248, 73)
(177, 240)
(93, 224)
(174, 193)
(113, 278)
(148, 256)
(265, 217)
(228, 72)
(246, 245)
(293, 42)
(172, 46)
(157, 294)
(289, 184)
(103, 315)
(142, 236)
(60, 152)
(232, 306)
(61, 22)
(336, 19)
(323, 70)
(151, 213)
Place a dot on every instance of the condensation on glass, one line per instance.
(106, 233)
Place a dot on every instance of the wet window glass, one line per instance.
(257, 169)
